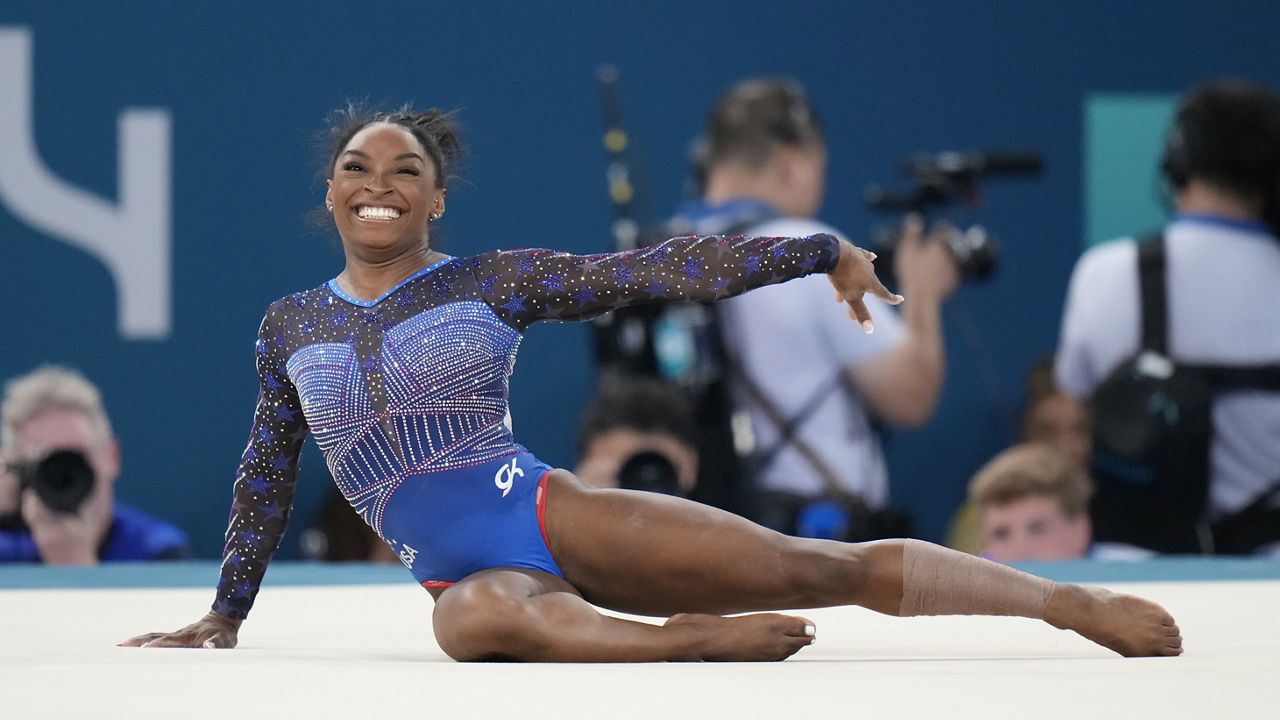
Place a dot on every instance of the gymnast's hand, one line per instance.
(853, 277)
(211, 631)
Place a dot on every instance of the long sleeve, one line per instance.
(264, 486)
(524, 286)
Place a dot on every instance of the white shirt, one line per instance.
(1223, 282)
(794, 340)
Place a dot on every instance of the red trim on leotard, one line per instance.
(542, 507)
(437, 584)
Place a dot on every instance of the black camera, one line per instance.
(940, 179)
(649, 471)
(62, 479)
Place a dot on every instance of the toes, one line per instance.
(806, 632)
(799, 627)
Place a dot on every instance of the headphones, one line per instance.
(1174, 163)
(1177, 160)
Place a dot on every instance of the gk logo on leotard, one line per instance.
(506, 477)
(407, 556)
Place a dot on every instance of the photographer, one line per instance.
(1175, 340)
(638, 433)
(816, 389)
(58, 466)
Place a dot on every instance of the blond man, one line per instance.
(54, 438)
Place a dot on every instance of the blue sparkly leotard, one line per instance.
(407, 396)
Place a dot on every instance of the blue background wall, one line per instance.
(248, 86)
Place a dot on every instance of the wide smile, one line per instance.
(377, 213)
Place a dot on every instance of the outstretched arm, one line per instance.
(262, 500)
(524, 286)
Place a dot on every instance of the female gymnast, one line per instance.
(399, 366)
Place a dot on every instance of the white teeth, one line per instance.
(368, 212)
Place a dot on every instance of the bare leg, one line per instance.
(657, 555)
(508, 614)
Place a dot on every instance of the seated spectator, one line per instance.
(340, 535)
(1032, 502)
(58, 467)
(1052, 418)
(638, 433)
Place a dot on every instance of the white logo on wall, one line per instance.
(506, 477)
(131, 236)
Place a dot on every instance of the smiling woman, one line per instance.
(386, 185)
(400, 365)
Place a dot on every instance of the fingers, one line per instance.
(140, 640)
(173, 640)
(217, 641)
(858, 310)
(879, 290)
(913, 229)
(855, 277)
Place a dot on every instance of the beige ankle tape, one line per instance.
(938, 581)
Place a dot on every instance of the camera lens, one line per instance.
(976, 253)
(62, 480)
(649, 471)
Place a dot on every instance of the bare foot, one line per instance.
(766, 636)
(1126, 624)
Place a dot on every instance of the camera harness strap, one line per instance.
(788, 427)
(1155, 337)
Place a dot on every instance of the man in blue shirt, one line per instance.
(52, 411)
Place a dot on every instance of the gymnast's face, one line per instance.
(1034, 527)
(384, 189)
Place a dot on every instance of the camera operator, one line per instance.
(58, 466)
(815, 387)
(1173, 338)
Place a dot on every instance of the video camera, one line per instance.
(940, 179)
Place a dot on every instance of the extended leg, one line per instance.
(532, 616)
(657, 555)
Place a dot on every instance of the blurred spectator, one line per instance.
(1187, 411)
(57, 485)
(638, 433)
(816, 387)
(1051, 418)
(1055, 418)
(340, 535)
(1033, 501)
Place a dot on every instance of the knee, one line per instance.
(825, 572)
(822, 572)
(477, 622)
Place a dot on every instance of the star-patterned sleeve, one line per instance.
(524, 286)
(264, 486)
